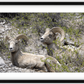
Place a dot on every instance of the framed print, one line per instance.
(41, 42)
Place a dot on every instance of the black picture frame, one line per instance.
(41, 3)
(41, 81)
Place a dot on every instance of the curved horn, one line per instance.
(20, 36)
(61, 31)
(47, 29)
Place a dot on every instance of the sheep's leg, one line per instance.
(49, 68)
(52, 64)
(70, 43)
(41, 69)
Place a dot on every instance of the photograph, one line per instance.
(41, 42)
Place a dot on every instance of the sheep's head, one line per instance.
(14, 42)
(51, 34)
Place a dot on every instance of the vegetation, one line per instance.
(38, 22)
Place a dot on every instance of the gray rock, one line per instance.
(2, 62)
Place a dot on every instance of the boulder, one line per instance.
(2, 62)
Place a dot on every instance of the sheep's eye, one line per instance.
(8, 42)
(50, 35)
(16, 43)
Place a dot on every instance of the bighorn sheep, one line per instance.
(50, 36)
(28, 60)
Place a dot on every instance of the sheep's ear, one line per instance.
(59, 30)
(23, 37)
(19, 40)
(56, 34)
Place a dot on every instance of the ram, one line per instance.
(51, 35)
(28, 60)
